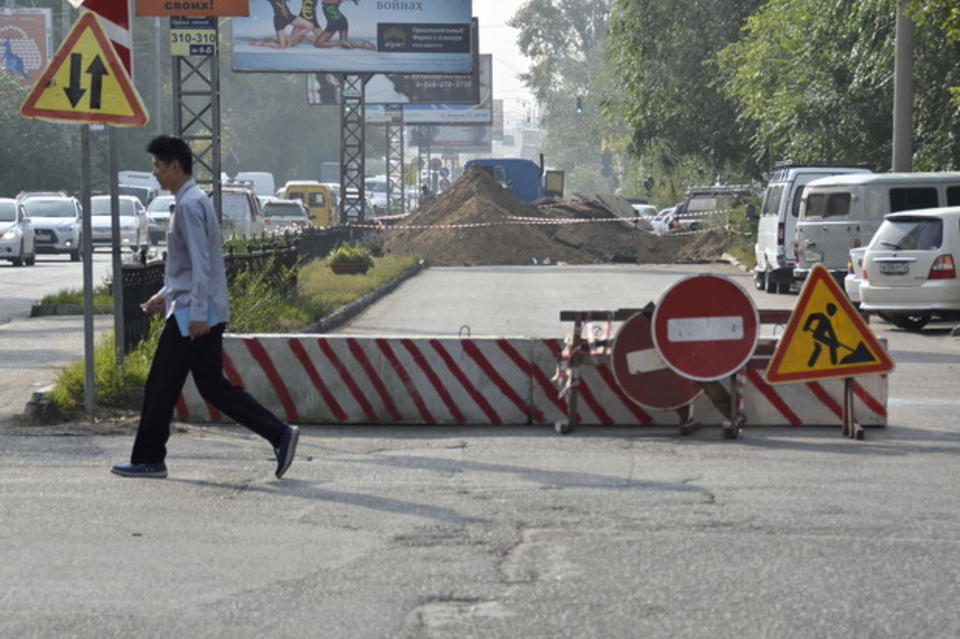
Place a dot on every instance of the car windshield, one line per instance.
(101, 206)
(8, 212)
(283, 209)
(909, 234)
(235, 206)
(49, 208)
(161, 204)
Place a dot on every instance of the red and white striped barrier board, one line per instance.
(363, 380)
(115, 19)
(326, 379)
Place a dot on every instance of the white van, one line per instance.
(774, 249)
(843, 212)
(263, 182)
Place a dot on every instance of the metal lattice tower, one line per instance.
(396, 193)
(196, 116)
(352, 141)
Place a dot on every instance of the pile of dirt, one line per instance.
(477, 198)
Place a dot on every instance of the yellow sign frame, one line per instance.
(823, 321)
(108, 97)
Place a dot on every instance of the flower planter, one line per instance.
(349, 268)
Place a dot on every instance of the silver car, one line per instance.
(285, 215)
(158, 214)
(16, 234)
(56, 224)
(134, 227)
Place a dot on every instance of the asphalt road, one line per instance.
(21, 287)
(458, 532)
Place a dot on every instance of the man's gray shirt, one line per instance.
(194, 275)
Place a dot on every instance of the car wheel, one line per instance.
(758, 279)
(910, 321)
(768, 284)
(18, 261)
(783, 288)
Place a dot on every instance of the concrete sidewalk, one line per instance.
(33, 351)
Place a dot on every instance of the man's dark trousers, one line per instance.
(175, 357)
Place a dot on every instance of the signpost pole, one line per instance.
(117, 260)
(87, 251)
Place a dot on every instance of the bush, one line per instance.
(115, 386)
(346, 254)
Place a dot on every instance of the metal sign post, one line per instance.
(117, 267)
(86, 250)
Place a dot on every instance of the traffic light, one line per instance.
(579, 105)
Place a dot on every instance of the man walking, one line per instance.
(194, 301)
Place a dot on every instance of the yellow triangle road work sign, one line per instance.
(86, 82)
(825, 337)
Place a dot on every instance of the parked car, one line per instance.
(643, 215)
(240, 216)
(158, 217)
(133, 222)
(662, 221)
(285, 214)
(851, 283)
(16, 234)
(844, 211)
(700, 201)
(776, 255)
(56, 224)
(909, 269)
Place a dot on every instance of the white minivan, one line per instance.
(844, 211)
(774, 249)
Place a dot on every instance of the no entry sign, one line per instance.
(642, 373)
(705, 327)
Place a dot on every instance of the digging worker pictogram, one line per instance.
(821, 328)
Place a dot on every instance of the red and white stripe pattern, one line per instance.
(114, 17)
(363, 380)
(335, 379)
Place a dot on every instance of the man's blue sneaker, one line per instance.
(158, 471)
(286, 450)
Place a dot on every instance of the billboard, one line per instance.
(25, 43)
(400, 88)
(481, 113)
(452, 139)
(358, 36)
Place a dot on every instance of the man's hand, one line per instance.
(153, 305)
(198, 328)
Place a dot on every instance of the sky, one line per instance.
(498, 39)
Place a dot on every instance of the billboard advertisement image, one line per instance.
(24, 43)
(355, 36)
(481, 113)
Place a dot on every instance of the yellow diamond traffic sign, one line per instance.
(86, 82)
(825, 337)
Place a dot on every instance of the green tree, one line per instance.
(813, 83)
(662, 55)
(565, 40)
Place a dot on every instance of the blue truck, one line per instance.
(524, 178)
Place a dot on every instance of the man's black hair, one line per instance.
(168, 148)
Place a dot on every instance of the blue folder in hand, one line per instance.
(183, 318)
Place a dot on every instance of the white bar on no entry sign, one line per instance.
(705, 329)
(645, 361)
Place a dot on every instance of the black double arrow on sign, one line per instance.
(96, 69)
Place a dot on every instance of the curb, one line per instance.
(347, 312)
(45, 310)
(735, 262)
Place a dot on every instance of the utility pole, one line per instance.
(903, 92)
(157, 75)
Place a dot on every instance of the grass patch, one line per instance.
(115, 386)
(102, 297)
(322, 292)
